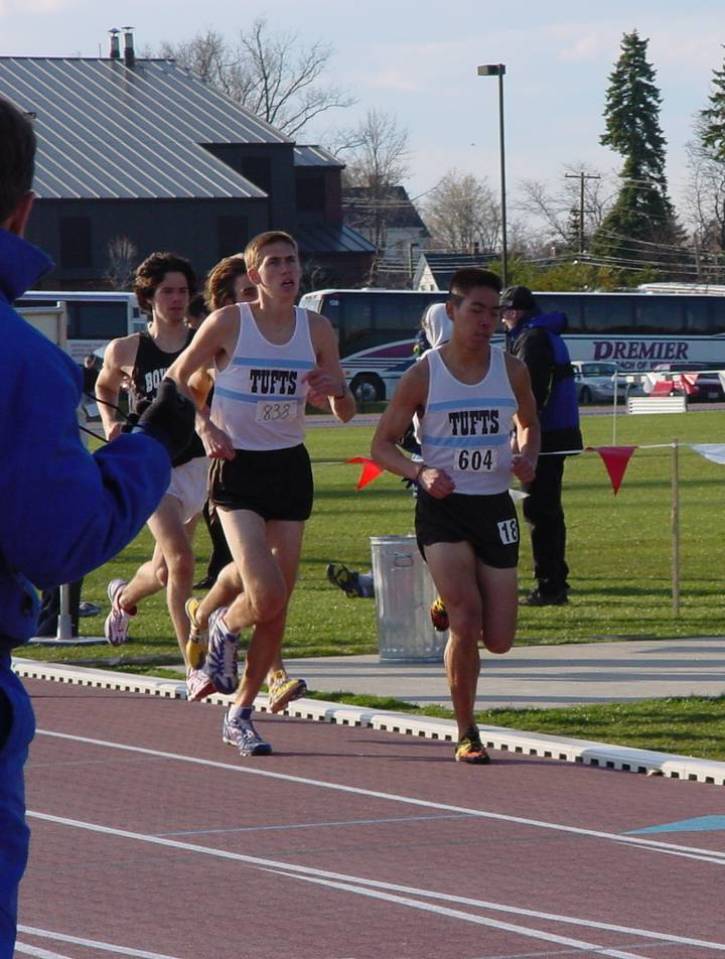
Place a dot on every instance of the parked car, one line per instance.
(595, 382)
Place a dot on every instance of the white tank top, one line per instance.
(259, 398)
(466, 430)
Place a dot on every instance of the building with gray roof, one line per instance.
(144, 150)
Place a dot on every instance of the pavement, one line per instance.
(531, 676)
(538, 676)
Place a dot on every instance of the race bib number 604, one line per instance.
(275, 411)
(475, 460)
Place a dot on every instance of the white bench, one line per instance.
(657, 404)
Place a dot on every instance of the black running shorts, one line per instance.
(488, 523)
(275, 484)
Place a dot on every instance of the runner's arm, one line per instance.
(327, 378)
(117, 355)
(526, 420)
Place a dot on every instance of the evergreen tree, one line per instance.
(642, 214)
(712, 118)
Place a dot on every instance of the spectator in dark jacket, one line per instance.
(536, 340)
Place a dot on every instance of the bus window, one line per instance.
(97, 321)
(569, 305)
(717, 314)
(608, 314)
(356, 319)
(659, 315)
(396, 312)
(697, 314)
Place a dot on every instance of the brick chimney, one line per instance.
(115, 45)
(129, 57)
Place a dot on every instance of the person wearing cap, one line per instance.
(536, 339)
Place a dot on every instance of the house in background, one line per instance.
(435, 269)
(390, 221)
(136, 155)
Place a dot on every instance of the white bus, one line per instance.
(637, 330)
(94, 317)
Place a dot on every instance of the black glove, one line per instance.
(169, 418)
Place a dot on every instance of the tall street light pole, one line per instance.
(498, 70)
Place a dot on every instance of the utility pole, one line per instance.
(581, 176)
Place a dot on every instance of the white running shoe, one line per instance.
(115, 629)
(242, 734)
(221, 659)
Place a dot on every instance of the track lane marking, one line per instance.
(322, 874)
(88, 943)
(638, 841)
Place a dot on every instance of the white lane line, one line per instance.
(21, 947)
(309, 871)
(313, 825)
(539, 934)
(90, 944)
(639, 841)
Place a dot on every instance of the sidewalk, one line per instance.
(539, 676)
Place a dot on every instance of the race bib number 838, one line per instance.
(275, 411)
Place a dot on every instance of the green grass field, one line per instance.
(619, 548)
(619, 552)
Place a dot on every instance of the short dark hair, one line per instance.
(468, 279)
(150, 274)
(253, 249)
(17, 157)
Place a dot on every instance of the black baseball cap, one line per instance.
(517, 298)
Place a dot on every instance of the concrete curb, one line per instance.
(582, 751)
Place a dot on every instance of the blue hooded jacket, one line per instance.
(537, 341)
(63, 511)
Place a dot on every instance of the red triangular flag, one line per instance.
(370, 470)
(616, 459)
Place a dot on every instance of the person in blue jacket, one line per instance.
(64, 511)
(535, 338)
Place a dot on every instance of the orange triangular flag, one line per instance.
(370, 470)
(616, 459)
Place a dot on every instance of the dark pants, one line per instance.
(17, 726)
(545, 516)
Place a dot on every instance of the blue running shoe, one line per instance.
(242, 734)
(221, 658)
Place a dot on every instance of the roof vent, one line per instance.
(115, 44)
(129, 57)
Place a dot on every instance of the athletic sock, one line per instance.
(240, 712)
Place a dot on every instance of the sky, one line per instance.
(417, 60)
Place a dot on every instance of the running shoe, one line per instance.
(221, 658)
(198, 685)
(350, 581)
(470, 749)
(283, 690)
(439, 615)
(198, 641)
(242, 734)
(115, 629)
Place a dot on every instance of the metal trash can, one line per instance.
(404, 592)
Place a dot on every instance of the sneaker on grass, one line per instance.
(115, 628)
(283, 690)
(242, 734)
(221, 659)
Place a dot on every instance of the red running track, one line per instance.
(153, 839)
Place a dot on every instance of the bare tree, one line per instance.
(122, 260)
(272, 74)
(462, 213)
(553, 209)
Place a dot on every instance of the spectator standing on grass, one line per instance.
(468, 396)
(535, 338)
(65, 511)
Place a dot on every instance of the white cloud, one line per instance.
(17, 7)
